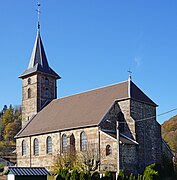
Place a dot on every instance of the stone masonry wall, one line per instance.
(148, 133)
(39, 94)
(44, 85)
(29, 105)
(46, 160)
(108, 162)
(129, 125)
(129, 160)
(127, 152)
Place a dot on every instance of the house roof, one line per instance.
(38, 61)
(28, 171)
(81, 110)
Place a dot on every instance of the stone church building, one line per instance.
(116, 123)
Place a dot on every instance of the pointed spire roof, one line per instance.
(38, 61)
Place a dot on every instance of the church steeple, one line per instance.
(38, 80)
(38, 61)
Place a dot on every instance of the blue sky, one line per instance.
(92, 43)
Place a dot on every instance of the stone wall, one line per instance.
(38, 96)
(97, 142)
(46, 160)
(129, 159)
(129, 125)
(108, 162)
(29, 105)
(148, 133)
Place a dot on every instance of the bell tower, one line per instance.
(39, 85)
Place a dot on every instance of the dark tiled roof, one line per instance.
(81, 110)
(137, 94)
(38, 61)
(28, 171)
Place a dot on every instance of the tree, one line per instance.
(11, 129)
(169, 133)
(150, 173)
(90, 158)
(7, 116)
(11, 123)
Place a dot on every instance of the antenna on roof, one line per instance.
(129, 76)
(38, 12)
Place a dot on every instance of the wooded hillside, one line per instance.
(10, 124)
(169, 133)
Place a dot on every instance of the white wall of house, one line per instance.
(10, 177)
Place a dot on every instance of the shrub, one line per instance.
(84, 176)
(68, 175)
(95, 176)
(150, 173)
(140, 177)
(121, 175)
(132, 177)
(62, 174)
(59, 177)
(108, 176)
(75, 175)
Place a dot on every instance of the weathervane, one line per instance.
(129, 72)
(38, 12)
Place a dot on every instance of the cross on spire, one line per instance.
(129, 72)
(38, 12)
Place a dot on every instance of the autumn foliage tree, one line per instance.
(10, 124)
(169, 133)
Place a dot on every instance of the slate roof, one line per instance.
(38, 61)
(28, 171)
(81, 110)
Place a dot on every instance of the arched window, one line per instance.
(49, 145)
(47, 93)
(46, 81)
(29, 93)
(64, 143)
(23, 148)
(108, 150)
(36, 147)
(83, 141)
(29, 81)
(72, 144)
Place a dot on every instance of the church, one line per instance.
(116, 123)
